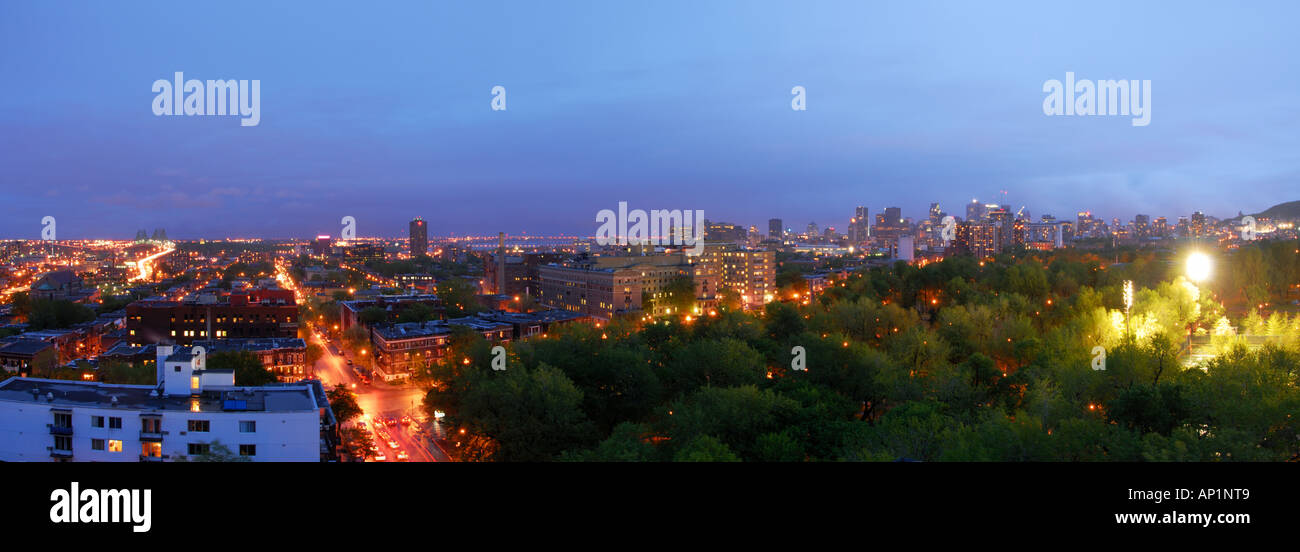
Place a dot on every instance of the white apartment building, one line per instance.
(189, 410)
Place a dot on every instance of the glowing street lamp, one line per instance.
(1128, 304)
(1198, 267)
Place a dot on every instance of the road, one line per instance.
(379, 400)
(145, 265)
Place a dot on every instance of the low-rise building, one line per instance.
(188, 412)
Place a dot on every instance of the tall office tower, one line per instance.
(1199, 225)
(975, 211)
(812, 230)
(774, 229)
(1004, 220)
(724, 232)
(1161, 228)
(321, 246)
(1086, 225)
(1141, 226)
(419, 232)
(976, 238)
(859, 226)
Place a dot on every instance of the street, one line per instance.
(379, 400)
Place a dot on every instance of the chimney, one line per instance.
(501, 262)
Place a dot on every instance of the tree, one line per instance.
(343, 403)
(418, 312)
(458, 297)
(128, 374)
(44, 314)
(705, 448)
(1150, 408)
(723, 363)
(627, 443)
(356, 442)
(248, 368)
(313, 353)
(371, 316)
(532, 414)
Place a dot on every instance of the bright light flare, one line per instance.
(1198, 267)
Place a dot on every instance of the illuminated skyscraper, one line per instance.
(774, 229)
(419, 232)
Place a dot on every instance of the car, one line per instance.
(379, 456)
(392, 444)
(406, 420)
(349, 362)
(402, 456)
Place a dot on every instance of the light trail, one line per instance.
(146, 264)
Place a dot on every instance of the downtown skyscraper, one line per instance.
(419, 232)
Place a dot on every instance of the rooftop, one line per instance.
(69, 393)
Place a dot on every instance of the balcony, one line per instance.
(60, 453)
(59, 430)
(147, 458)
(152, 435)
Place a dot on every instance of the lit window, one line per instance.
(114, 445)
(194, 382)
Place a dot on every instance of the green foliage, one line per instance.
(952, 361)
(45, 314)
(705, 449)
(343, 403)
(248, 368)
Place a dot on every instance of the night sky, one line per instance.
(381, 111)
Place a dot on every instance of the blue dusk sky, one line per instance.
(382, 111)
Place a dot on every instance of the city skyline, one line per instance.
(906, 105)
(840, 226)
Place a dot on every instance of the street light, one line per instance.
(1128, 305)
(1198, 267)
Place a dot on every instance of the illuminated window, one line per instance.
(194, 382)
(151, 449)
(114, 445)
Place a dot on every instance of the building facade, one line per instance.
(188, 413)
